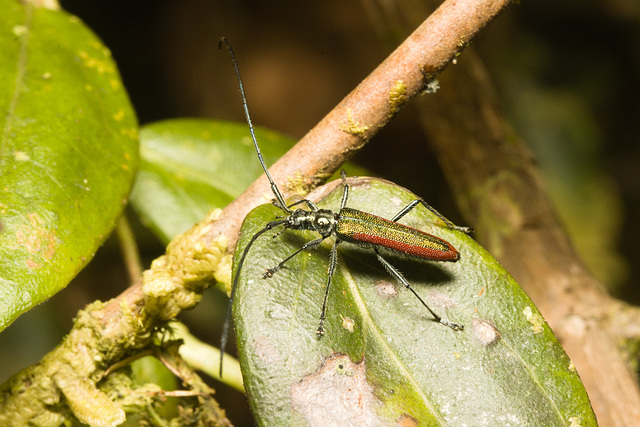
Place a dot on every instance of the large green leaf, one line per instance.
(383, 360)
(68, 152)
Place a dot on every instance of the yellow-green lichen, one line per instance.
(89, 405)
(353, 127)
(397, 97)
(223, 272)
(176, 280)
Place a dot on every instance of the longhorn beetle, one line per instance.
(347, 225)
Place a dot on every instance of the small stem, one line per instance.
(129, 248)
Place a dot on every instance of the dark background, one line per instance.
(566, 73)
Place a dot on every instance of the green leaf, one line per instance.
(68, 152)
(383, 359)
(190, 166)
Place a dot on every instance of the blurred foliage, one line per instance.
(560, 86)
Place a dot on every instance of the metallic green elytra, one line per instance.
(365, 229)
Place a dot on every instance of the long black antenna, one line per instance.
(274, 187)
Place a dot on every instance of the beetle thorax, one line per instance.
(322, 221)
